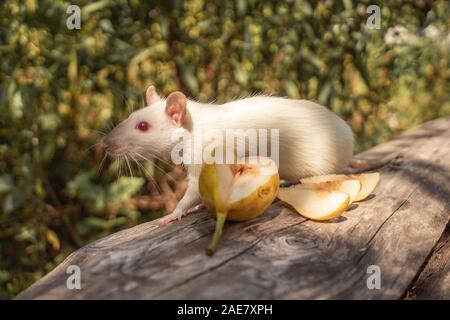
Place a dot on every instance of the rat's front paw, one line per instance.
(176, 215)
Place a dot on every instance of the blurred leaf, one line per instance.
(26, 234)
(306, 8)
(53, 240)
(123, 188)
(240, 75)
(4, 276)
(13, 201)
(93, 194)
(92, 7)
(72, 70)
(106, 25)
(291, 89)
(104, 224)
(190, 79)
(6, 183)
(325, 92)
(49, 122)
(241, 7)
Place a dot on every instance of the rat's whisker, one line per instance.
(139, 165)
(102, 163)
(170, 165)
(148, 175)
(110, 125)
(120, 166)
(146, 159)
(100, 132)
(155, 165)
(97, 131)
(160, 159)
(92, 146)
(156, 185)
(128, 165)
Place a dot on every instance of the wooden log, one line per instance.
(434, 281)
(281, 255)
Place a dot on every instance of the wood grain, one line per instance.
(434, 281)
(281, 255)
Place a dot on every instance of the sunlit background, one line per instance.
(60, 89)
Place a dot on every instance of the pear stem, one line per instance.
(220, 221)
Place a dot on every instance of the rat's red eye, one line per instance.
(143, 126)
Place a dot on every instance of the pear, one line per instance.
(315, 202)
(368, 181)
(351, 187)
(238, 192)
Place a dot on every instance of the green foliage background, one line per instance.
(59, 86)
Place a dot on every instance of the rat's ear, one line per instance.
(176, 110)
(151, 95)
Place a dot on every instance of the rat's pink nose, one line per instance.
(107, 144)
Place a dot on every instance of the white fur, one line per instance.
(313, 140)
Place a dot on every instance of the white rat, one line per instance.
(312, 139)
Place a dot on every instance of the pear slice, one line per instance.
(314, 201)
(325, 178)
(351, 187)
(368, 181)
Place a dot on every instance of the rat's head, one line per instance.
(148, 132)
